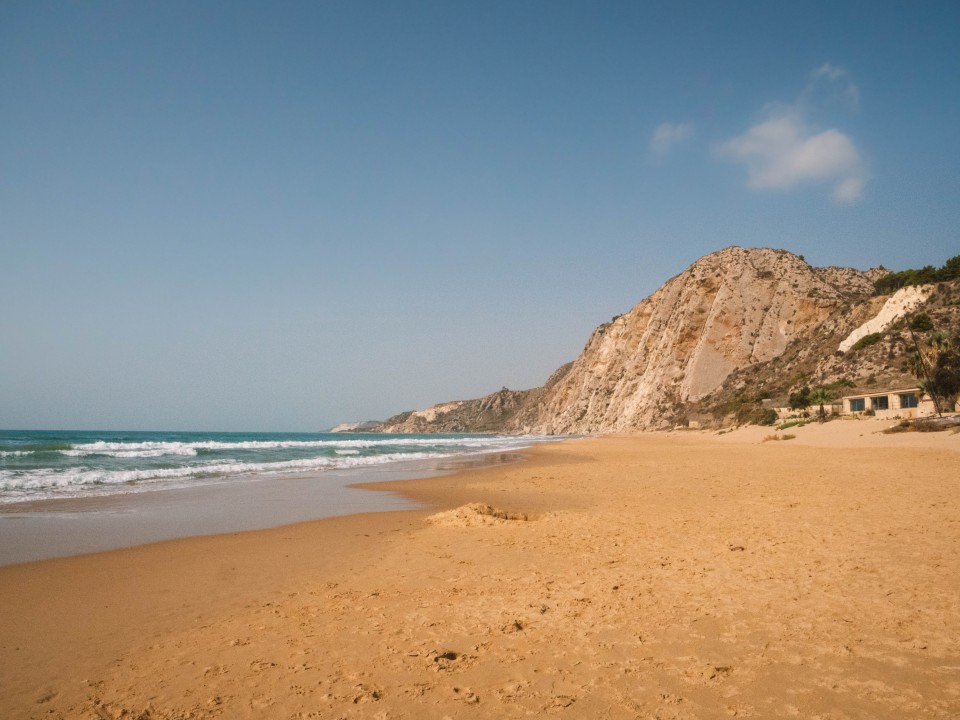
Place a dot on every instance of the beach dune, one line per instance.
(673, 575)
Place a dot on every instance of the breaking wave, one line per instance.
(75, 464)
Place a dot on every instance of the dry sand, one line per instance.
(679, 575)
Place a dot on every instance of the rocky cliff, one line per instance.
(730, 311)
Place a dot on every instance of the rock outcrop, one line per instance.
(357, 427)
(492, 413)
(503, 411)
(898, 305)
(730, 310)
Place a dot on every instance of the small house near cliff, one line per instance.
(904, 403)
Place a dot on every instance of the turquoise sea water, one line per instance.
(37, 465)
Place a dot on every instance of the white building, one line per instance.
(904, 403)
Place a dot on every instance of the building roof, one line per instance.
(901, 391)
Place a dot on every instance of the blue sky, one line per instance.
(279, 216)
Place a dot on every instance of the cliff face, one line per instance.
(730, 309)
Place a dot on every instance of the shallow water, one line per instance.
(44, 465)
(65, 526)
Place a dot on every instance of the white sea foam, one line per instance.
(51, 482)
(131, 450)
(190, 448)
(145, 453)
(107, 466)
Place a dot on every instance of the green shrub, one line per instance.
(800, 399)
(867, 341)
(921, 323)
(754, 414)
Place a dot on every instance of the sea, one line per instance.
(44, 465)
(73, 492)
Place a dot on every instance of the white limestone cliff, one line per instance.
(903, 301)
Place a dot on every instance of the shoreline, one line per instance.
(63, 527)
(678, 574)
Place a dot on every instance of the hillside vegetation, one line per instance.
(923, 276)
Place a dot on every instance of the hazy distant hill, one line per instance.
(737, 325)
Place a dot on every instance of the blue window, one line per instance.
(880, 403)
(857, 405)
(909, 400)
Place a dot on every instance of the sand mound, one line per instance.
(474, 514)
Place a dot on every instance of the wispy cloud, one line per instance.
(669, 135)
(836, 82)
(782, 151)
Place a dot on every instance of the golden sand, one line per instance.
(679, 575)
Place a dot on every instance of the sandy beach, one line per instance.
(665, 575)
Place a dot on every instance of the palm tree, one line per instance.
(820, 396)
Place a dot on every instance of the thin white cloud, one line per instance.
(834, 82)
(667, 136)
(781, 151)
(848, 191)
(830, 71)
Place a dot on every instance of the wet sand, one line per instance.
(43, 529)
(678, 575)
